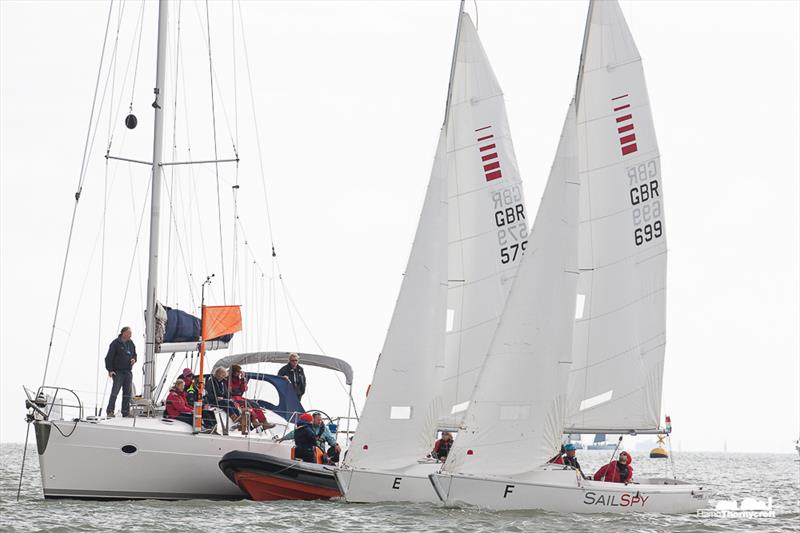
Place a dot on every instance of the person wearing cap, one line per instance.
(569, 458)
(294, 374)
(617, 471)
(190, 386)
(322, 436)
(305, 441)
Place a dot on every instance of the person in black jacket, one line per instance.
(218, 395)
(294, 374)
(305, 440)
(120, 359)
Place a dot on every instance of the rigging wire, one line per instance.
(112, 68)
(171, 191)
(77, 195)
(140, 23)
(216, 156)
(257, 134)
(134, 256)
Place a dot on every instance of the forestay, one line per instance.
(516, 414)
(399, 417)
(618, 350)
(487, 224)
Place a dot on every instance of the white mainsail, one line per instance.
(400, 415)
(516, 414)
(487, 226)
(618, 350)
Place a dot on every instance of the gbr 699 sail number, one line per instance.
(645, 197)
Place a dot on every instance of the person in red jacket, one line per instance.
(619, 471)
(237, 387)
(441, 448)
(178, 408)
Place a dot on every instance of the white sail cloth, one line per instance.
(618, 350)
(399, 417)
(516, 415)
(469, 241)
(487, 224)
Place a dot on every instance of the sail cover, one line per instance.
(618, 350)
(399, 418)
(487, 222)
(515, 419)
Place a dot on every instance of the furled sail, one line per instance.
(618, 350)
(487, 225)
(399, 418)
(516, 415)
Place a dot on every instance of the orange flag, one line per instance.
(219, 320)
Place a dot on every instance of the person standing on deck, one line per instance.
(120, 359)
(294, 374)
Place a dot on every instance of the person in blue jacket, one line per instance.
(322, 435)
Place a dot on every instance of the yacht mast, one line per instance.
(453, 65)
(155, 204)
(579, 81)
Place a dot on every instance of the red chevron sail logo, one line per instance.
(627, 137)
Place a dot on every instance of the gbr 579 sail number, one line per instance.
(512, 226)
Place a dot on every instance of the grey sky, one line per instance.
(350, 98)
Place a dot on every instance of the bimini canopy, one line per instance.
(310, 359)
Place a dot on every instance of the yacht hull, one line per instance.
(373, 486)
(561, 491)
(269, 478)
(139, 459)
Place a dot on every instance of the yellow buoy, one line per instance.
(659, 452)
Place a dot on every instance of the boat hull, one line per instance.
(268, 478)
(373, 486)
(139, 459)
(561, 491)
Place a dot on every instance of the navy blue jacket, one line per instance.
(216, 389)
(119, 355)
(296, 376)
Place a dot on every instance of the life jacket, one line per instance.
(318, 454)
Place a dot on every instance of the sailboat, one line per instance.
(147, 455)
(468, 244)
(575, 440)
(609, 354)
(601, 443)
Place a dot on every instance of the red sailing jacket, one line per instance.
(610, 473)
(176, 404)
(238, 387)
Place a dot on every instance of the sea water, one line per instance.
(731, 476)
